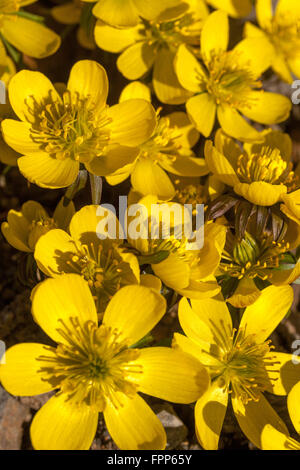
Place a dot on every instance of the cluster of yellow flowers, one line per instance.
(100, 297)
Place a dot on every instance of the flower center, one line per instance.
(173, 33)
(104, 269)
(92, 364)
(163, 143)
(285, 35)
(247, 366)
(266, 166)
(250, 258)
(71, 128)
(189, 194)
(243, 364)
(228, 81)
(38, 228)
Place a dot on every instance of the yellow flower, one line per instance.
(153, 43)
(26, 35)
(189, 272)
(104, 264)
(95, 369)
(242, 363)
(124, 13)
(282, 31)
(75, 12)
(250, 259)
(261, 172)
(168, 149)
(23, 229)
(56, 134)
(237, 9)
(228, 85)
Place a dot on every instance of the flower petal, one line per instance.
(198, 319)
(58, 300)
(173, 271)
(121, 13)
(245, 294)
(118, 160)
(215, 34)
(133, 122)
(84, 224)
(36, 40)
(262, 317)
(17, 135)
(165, 82)
(88, 79)
(272, 439)
(28, 90)
(135, 90)
(63, 425)
(47, 172)
(268, 108)
(264, 13)
(293, 406)
(260, 192)
(219, 165)
(184, 165)
(255, 53)
(210, 412)
(114, 39)
(149, 178)
(134, 426)
(53, 250)
(288, 7)
(135, 61)
(201, 110)
(198, 349)
(134, 311)
(189, 70)
(21, 373)
(235, 125)
(253, 417)
(171, 374)
(284, 373)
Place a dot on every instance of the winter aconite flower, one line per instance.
(225, 85)
(262, 172)
(58, 133)
(24, 228)
(242, 363)
(167, 150)
(95, 370)
(104, 264)
(163, 245)
(282, 30)
(153, 43)
(28, 36)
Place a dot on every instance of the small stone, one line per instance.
(175, 429)
(13, 415)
